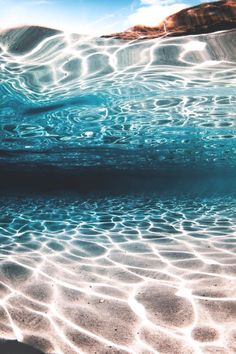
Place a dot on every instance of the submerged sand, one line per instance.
(119, 274)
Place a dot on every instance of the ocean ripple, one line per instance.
(172, 99)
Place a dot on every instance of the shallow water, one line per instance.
(137, 254)
(77, 102)
(119, 274)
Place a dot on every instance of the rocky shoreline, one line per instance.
(200, 19)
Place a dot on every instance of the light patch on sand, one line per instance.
(77, 277)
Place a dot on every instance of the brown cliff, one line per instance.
(204, 18)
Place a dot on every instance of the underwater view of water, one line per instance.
(118, 198)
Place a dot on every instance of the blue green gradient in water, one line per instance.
(145, 262)
(72, 101)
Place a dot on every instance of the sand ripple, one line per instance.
(119, 275)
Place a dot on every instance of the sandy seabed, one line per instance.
(134, 274)
(118, 274)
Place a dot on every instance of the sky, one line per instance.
(92, 17)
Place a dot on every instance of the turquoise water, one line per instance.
(117, 207)
(74, 101)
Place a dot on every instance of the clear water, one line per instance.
(79, 102)
(130, 245)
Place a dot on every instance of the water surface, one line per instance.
(118, 214)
